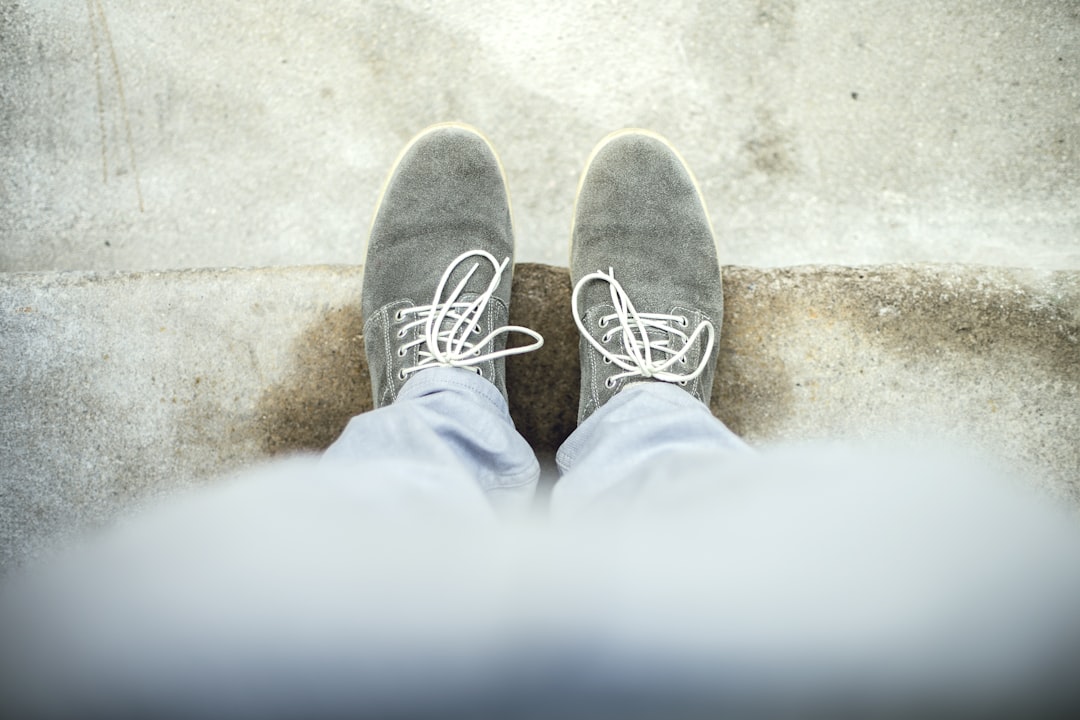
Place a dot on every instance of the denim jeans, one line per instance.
(453, 425)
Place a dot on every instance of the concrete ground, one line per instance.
(142, 135)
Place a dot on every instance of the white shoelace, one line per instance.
(644, 355)
(450, 324)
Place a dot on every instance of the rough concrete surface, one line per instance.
(147, 135)
(121, 386)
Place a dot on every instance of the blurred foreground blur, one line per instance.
(809, 582)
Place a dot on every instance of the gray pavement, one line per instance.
(122, 387)
(209, 133)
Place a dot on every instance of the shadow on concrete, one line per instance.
(544, 385)
(328, 386)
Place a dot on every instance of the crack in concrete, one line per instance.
(99, 24)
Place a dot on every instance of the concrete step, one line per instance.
(117, 387)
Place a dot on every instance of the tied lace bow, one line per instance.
(450, 325)
(645, 354)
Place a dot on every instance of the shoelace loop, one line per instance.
(449, 325)
(644, 355)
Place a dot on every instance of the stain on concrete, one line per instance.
(988, 331)
(544, 385)
(753, 390)
(327, 385)
(778, 17)
(770, 147)
(916, 311)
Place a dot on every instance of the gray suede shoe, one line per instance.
(439, 264)
(648, 297)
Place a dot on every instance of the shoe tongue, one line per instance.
(657, 335)
(451, 318)
(477, 283)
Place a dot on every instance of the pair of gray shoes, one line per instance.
(647, 295)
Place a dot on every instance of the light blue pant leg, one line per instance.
(449, 434)
(611, 458)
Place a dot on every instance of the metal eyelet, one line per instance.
(682, 383)
(606, 338)
(401, 375)
(401, 333)
(609, 384)
(607, 360)
(682, 360)
(398, 317)
(602, 322)
(683, 321)
(401, 352)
